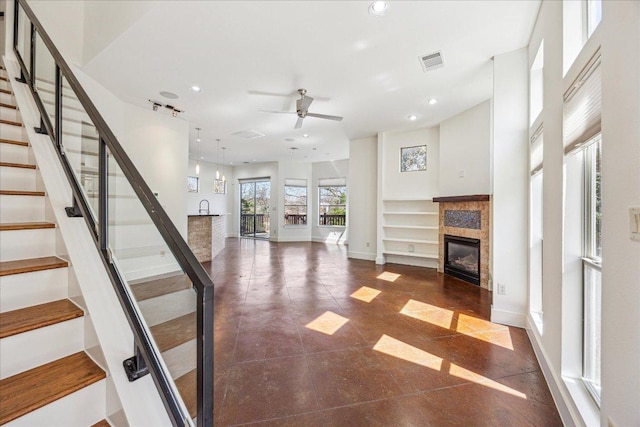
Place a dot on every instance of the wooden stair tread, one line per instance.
(8, 92)
(155, 288)
(32, 264)
(10, 123)
(3, 105)
(35, 388)
(21, 193)
(102, 423)
(13, 142)
(17, 165)
(37, 316)
(187, 386)
(9, 226)
(174, 332)
(4, 79)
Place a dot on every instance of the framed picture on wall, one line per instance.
(219, 186)
(413, 159)
(192, 184)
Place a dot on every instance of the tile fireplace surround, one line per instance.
(463, 221)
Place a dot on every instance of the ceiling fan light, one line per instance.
(378, 8)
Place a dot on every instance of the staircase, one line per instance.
(46, 377)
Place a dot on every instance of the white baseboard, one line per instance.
(362, 255)
(568, 414)
(509, 318)
(292, 239)
(380, 260)
(325, 240)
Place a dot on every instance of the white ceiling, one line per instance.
(253, 55)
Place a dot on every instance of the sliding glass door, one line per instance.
(255, 195)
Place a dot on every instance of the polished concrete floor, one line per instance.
(305, 336)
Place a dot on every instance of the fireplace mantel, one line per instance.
(469, 198)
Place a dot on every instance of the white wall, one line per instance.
(158, 146)
(332, 169)
(509, 199)
(362, 213)
(63, 20)
(295, 170)
(418, 184)
(219, 204)
(621, 190)
(465, 144)
(104, 21)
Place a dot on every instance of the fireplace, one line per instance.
(462, 258)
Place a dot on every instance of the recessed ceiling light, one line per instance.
(169, 95)
(378, 8)
(412, 117)
(196, 89)
(306, 135)
(432, 101)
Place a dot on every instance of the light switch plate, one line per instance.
(634, 223)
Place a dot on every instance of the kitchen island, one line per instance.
(205, 235)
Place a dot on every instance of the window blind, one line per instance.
(582, 106)
(331, 182)
(293, 182)
(536, 150)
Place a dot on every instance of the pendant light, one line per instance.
(218, 160)
(198, 161)
(223, 177)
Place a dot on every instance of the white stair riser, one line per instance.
(23, 244)
(6, 98)
(38, 287)
(21, 208)
(17, 178)
(28, 350)
(10, 114)
(83, 408)
(12, 153)
(15, 133)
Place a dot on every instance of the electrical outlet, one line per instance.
(634, 222)
(411, 248)
(502, 289)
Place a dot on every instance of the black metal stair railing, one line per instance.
(104, 164)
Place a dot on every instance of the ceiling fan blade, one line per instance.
(298, 123)
(304, 103)
(325, 116)
(278, 112)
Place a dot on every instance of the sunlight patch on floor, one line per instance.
(365, 294)
(428, 313)
(460, 372)
(401, 350)
(388, 276)
(327, 323)
(396, 348)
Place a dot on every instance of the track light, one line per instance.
(174, 111)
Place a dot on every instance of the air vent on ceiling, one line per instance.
(249, 134)
(431, 61)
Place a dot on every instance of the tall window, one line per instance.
(594, 15)
(295, 201)
(535, 227)
(592, 283)
(536, 85)
(332, 202)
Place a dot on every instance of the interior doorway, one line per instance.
(255, 196)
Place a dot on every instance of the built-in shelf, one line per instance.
(427, 242)
(410, 213)
(413, 227)
(410, 229)
(411, 254)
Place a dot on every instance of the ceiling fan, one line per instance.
(302, 110)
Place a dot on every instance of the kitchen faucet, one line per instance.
(201, 210)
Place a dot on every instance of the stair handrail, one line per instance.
(145, 350)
